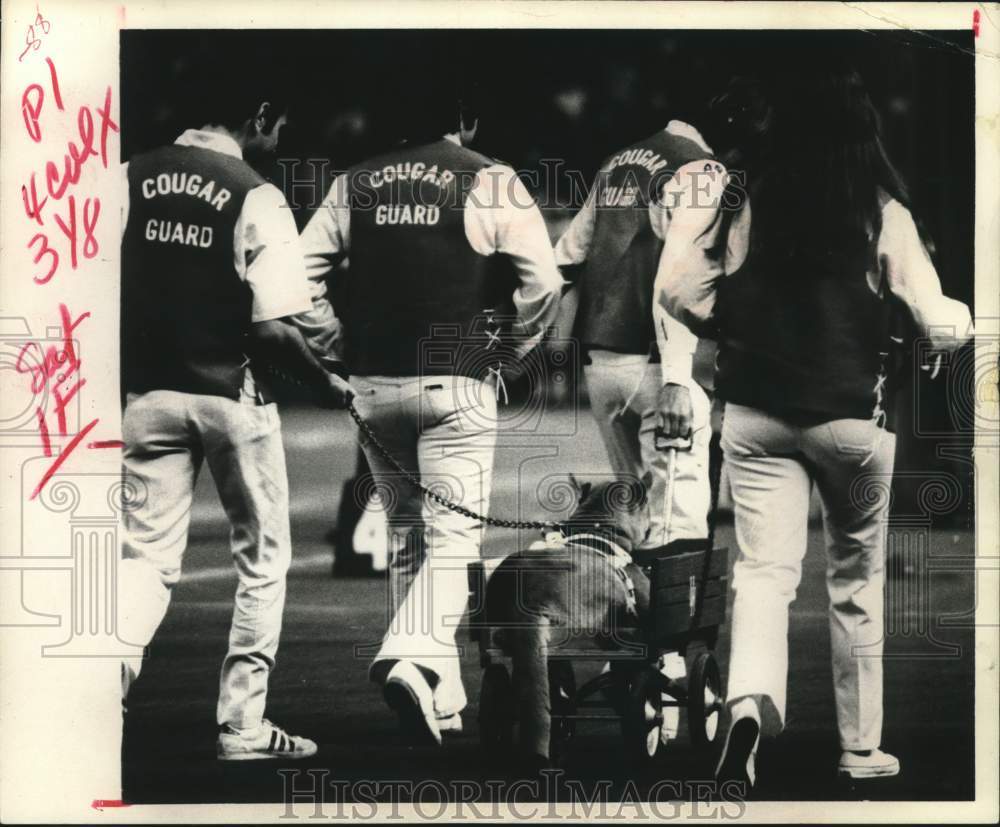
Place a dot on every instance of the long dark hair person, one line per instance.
(805, 143)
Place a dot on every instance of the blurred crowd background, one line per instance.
(557, 102)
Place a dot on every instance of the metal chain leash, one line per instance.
(414, 480)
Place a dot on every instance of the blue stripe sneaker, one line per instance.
(266, 742)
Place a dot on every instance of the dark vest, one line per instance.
(616, 284)
(802, 338)
(185, 310)
(417, 296)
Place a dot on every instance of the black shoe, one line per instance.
(408, 692)
(739, 755)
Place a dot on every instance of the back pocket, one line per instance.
(853, 436)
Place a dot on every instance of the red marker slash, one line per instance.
(102, 803)
(975, 23)
(59, 460)
(106, 443)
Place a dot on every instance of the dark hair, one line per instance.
(230, 95)
(422, 112)
(809, 141)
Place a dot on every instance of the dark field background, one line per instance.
(573, 96)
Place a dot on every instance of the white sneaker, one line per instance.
(406, 690)
(451, 724)
(261, 743)
(876, 764)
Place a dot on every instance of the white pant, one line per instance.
(623, 390)
(442, 429)
(167, 436)
(772, 466)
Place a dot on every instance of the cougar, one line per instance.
(583, 586)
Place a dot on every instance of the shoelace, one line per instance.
(500, 386)
(879, 415)
(494, 341)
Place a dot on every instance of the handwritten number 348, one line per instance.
(91, 212)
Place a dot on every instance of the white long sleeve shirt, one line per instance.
(500, 216)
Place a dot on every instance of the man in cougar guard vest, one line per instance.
(211, 266)
(426, 226)
(639, 374)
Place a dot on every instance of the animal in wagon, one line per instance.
(583, 587)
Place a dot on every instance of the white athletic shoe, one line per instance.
(262, 743)
(876, 764)
(406, 690)
(452, 724)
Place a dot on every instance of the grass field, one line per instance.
(320, 689)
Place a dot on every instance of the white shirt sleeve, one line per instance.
(501, 217)
(325, 245)
(912, 278)
(689, 217)
(268, 257)
(676, 345)
(326, 239)
(687, 206)
(574, 244)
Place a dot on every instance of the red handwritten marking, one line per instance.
(31, 108)
(53, 369)
(91, 142)
(63, 400)
(90, 246)
(101, 803)
(43, 430)
(975, 22)
(63, 456)
(90, 217)
(32, 100)
(53, 358)
(70, 232)
(34, 209)
(55, 84)
(45, 248)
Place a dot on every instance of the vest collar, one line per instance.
(206, 139)
(685, 130)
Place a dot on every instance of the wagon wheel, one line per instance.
(643, 716)
(617, 693)
(562, 700)
(496, 711)
(704, 701)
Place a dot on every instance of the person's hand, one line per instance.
(674, 411)
(338, 392)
